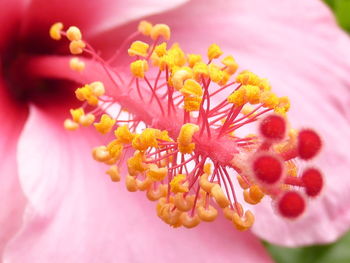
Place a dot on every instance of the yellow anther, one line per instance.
(205, 184)
(136, 164)
(98, 89)
(192, 103)
(76, 114)
(179, 77)
(55, 31)
(148, 138)
(154, 194)
(100, 154)
(215, 73)
(225, 78)
(76, 47)
(115, 149)
(269, 99)
(130, 183)
(145, 28)
(254, 195)
(160, 50)
(189, 221)
(229, 212)
(208, 214)
(185, 137)
(160, 30)
(144, 184)
(214, 51)
(123, 134)
(219, 196)
(243, 183)
(186, 133)
(248, 78)
(247, 109)
(155, 173)
(283, 105)
(193, 59)
(182, 203)
(200, 70)
(178, 55)
(114, 173)
(264, 85)
(177, 184)
(86, 93)
(207, 168)
(138, 48)
(192, 87)
(231, 65)
(70, 125)
(76, 64)
(243, 223)
(73, 33)
(292, 168)
(238, 97)
(105, 125)
(252, 93)
(87, 120)
(138, 68)
(166, 211)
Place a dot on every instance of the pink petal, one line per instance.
(77, 215)
(11, 12)
(299, 47)
(91, 16)
(12, 203)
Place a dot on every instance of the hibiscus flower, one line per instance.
(73, 214)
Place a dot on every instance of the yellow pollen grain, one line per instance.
(200, 70)
(55, 31)
(192, 59)
(138, 48)
(139, 67)
(105, 125)
(248, 78)
(114, 173)
(160, 49)
(160, 30)
(73, 33)
(214, 51)
(231, 65)
(70, 125)
(145, 28)
(192, 87)
(123, 134)
(76, 64)
(157, 174)
(215, 73)
(77, 47)
(176, 184)
(192, 103)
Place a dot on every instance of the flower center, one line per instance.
(186, 143)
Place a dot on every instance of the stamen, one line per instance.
(186, 147)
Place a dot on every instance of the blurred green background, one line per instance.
(341, 9)
(338, 252)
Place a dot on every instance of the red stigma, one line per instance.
(291, 205)
(267, 168)
(309, 144)
(312, 181)
(273, 127)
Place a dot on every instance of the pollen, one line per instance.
(145, 28)
(77, 64)
(138, 48)
(214, 51)
(105, 125)
(77, 47)
(55, 31)
(192, 131)
(176, 184)
(138, 68)
(73, 33)
(160, 30)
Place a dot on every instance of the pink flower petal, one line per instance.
(91, 16)
(11, 12)
(12, 199)
(299, 47)
(77, 215)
